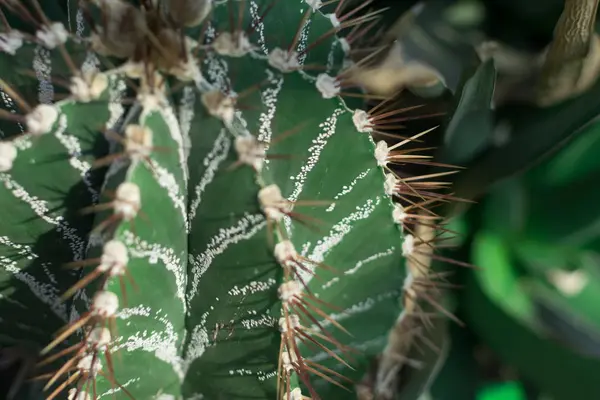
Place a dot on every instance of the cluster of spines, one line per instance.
(415, 198)
(298, 305)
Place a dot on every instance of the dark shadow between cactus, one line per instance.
(53, 251)
(207, 376)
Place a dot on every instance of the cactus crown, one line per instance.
(207, 176)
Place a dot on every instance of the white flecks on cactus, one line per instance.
(250, 151)
(234, 44)
(75, 394)
(381, 153)
(272, 202)
(99, 338)
(105, 304)
(390, 184)
(89, 364)
(408, 245)
(314, 4)
(138, 141)
(127, 200)
(398, 214)
(219, 105)
(114, 258)
(361, 121)
(212, 161)
(41, 119)
(288, 290)
(53, 35)
(283, 60)
(89, 86)
(243, 229)
(285, 251)
(8, 153)
(11, 41)
(328, 86)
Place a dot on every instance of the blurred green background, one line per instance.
(532, 307)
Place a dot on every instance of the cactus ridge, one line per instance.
(231, 230)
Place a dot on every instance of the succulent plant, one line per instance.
(538, 279)
(194, 204)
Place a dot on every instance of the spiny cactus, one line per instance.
(195, 205)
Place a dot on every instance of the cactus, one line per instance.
(195, 206)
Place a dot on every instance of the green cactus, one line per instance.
(202, 218)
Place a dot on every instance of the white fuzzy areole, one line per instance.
(294, 322)
(105, 304)
(390, 184)
(327, 85)
(53, 35)
(250, 151)
(334, 20)
(272, 202)
(73, 395)
(296, 394)
(408, 245)
(127, 200)
(138, 141)
(361, 121)
(89, 364)
(99, 338)
(283, 60)
(8, 153)
(41, 119)
(314, 4)
(285, 251)
(89, 86)
(289, 290)
(188, 71)
(398, 214)
(287, 362)
(11, 41)
(114, 258)
(133, 70)
(382, 153)
(234, 44)
(219, 105)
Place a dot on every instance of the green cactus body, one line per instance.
(242, 242)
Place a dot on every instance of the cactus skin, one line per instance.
(202, 222)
